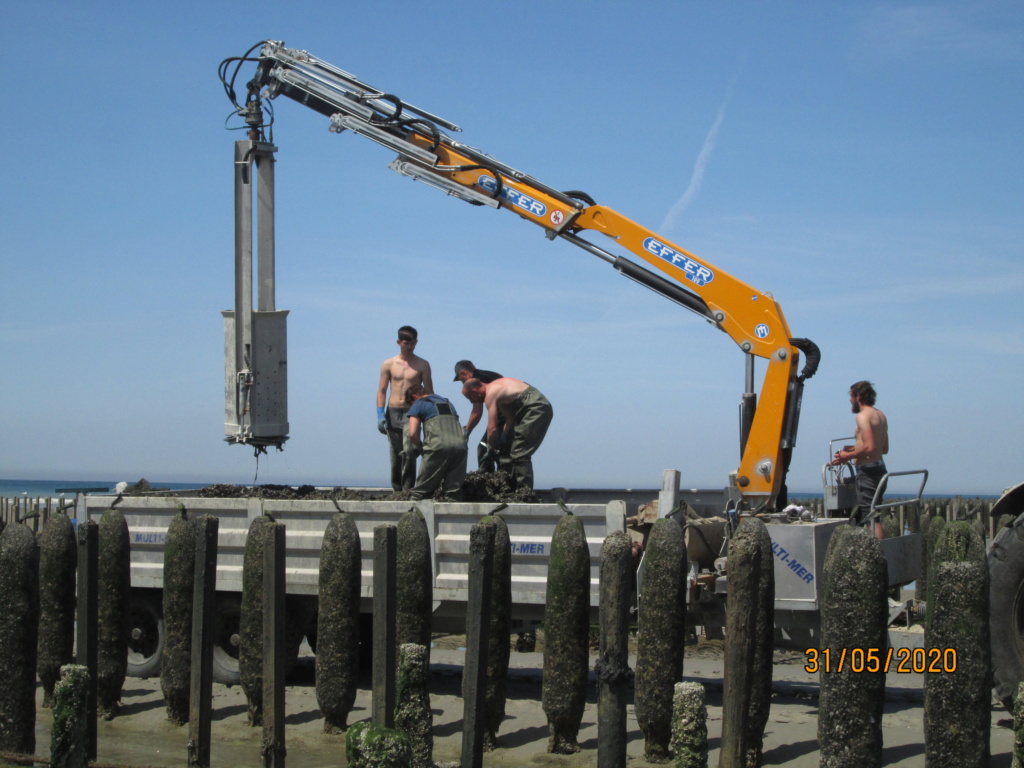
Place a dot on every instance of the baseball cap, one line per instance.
(463, 365)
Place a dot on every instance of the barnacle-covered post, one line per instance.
(371, 745)
(478, 619)
(659, 662)
(115, 582)
(250, 623)
(958, 680)
(613, 673)
(337, 635)
(412, 708)
(566, 635)
(19, 635)
(69, 734)
(854, 615)
(689, 741)
(58, 560)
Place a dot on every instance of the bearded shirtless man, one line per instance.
(527, 414)
(402, 373)
(872, 443)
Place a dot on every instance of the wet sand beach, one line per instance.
(142, 736)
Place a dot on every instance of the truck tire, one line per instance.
(226, 637)
(225, 640)
(145, 635)
(1006, 597)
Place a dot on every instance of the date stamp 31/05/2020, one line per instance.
(884, 660)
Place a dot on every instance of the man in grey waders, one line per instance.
(443, 447)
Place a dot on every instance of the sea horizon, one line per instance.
(54, 488)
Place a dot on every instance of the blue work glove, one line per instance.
(382, 423)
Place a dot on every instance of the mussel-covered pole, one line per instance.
(337, 635)
(498, 637)
(566, 635)
(58, 560)
(415, 600)
(659, 659)
(179, 580)
(250, 623)
(854, 615)
(19, 635)
(958, 681)
(112, 636)
(613, 673)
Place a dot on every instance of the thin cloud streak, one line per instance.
(697, 178)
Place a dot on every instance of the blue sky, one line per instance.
(862, 162)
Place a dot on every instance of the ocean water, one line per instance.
(53, 488)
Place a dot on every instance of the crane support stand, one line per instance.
(112, 632)
(660, 641)
(337, 633)
(250, 640)
(415, 600)
(854, 615)
(613, 673)
(958, 679)
(749, 635)
(179, 583)
(58, 560)
(68, 742)
(412, 707)
(19, 635)
(371, 745)
(498, 637)
(689, 727)
(566, 635)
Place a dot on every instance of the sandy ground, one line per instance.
(142, 736)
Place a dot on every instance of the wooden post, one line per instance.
(748, 645)
(203, 619)
(613, 675)
(273, 649)
(88, 614)
(384, 634)
(478, 620)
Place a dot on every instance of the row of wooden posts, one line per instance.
(854, 615)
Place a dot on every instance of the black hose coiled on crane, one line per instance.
(812, 355)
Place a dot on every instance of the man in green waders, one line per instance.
(443, 447)
(527, 413)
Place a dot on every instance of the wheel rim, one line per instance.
(144, 633)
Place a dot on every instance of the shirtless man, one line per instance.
(488, 459)
(872, 443)
(527, 418)
(401, 373)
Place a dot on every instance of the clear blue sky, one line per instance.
(863, 162)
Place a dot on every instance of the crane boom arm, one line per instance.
(753, 319)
